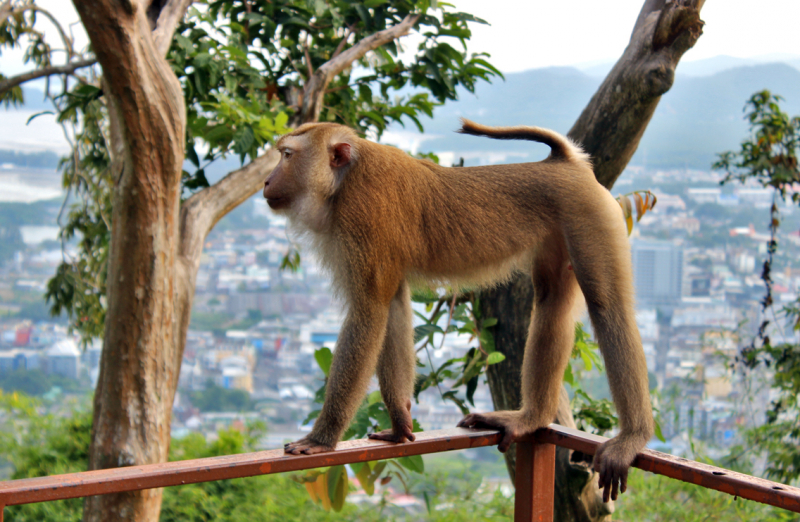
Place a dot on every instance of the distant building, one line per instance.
(657, 271)
(704, 195)
(63, 358)
(17, 359)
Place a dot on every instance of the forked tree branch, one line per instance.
(168, 19)
(10, 83)
(201, 212)
(314, 91)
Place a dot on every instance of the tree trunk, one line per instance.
(156, 242)
(134, 395)
(609, 129)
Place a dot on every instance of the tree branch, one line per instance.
(5, 10)
(340, 47)
(168, 19)
(314, 91)
(204, 209)
(612, 124)
(198, 215)
(10, 83)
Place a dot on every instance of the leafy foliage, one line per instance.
(37, 445)
(462, 317)
(19, 24)
(243, 66)
(769, 156)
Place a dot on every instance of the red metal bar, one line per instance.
(710, 477)
(538, 486)
(535, 482)
(87, 483)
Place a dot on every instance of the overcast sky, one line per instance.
(526, 34)
(530, 34)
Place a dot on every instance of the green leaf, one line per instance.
(374, 397)
(280, 122)
(472, 385)
(488, 322)
(424, 330)
(34, 116)
(495, 357)
(413, 463)
(243, 139)
(657, 429)
(365, 478)
(569, 378)
(337, 487)
(324, 358)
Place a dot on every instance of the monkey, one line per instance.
(383, 222)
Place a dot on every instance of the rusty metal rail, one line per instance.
(535, 470)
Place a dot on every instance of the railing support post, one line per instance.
(535, 482)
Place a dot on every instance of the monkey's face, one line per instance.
(312, 163)
(283, 185)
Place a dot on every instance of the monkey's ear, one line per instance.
(340, 155)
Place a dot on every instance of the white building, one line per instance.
(63, 358)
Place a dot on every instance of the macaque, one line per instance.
(383, 222)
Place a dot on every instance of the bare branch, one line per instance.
(168, 19)
(314, 90)
(612, 124)
(340, 47)
(308, 59)
(10, 83)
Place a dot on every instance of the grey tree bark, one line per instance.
(609, 129)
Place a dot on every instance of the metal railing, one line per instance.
(535, 474)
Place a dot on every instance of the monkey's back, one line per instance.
(465, 226)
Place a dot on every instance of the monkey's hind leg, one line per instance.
(604, 272)
(550, 339)
(397, 365)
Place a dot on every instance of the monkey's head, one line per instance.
(314, 160)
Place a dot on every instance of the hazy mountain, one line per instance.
(705, 67)
(697, 118)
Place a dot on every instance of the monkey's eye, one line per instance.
(287, 153)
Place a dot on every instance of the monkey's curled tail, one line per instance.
(561, 147)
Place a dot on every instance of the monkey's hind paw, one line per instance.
(391, 436)
(306, 446)
(612, 460)
(508, 422)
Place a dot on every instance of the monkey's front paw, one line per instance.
(509, 422)
(612, 460)
(306, 446)
(402, 426)
(390, 435)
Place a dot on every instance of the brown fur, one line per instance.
(382, 220)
